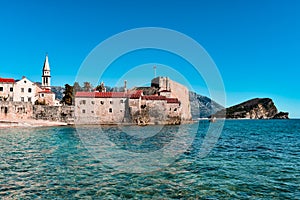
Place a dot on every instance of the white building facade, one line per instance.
(6, 89)
(25, 91)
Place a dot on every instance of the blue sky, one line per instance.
(255, 44)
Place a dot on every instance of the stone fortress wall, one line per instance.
(175, 90)
(168, 105)
(12, 111)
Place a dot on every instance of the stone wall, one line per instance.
(100, 110)
(177, 91)
(182, 93)
(54, 113)
(157, 112)
(11, 111)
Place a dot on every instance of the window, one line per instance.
(22, 99)
(92, 111)
(82, 102)
(24, 81)
(29, 99)
(11, 99)
(111, 102)
(11, 89)
(92, 102)
(22, 89)
(83, 111)
(42, 95)
(121, 101)
(102, 102)
(1, 89)
(29, 90)
(110, 110)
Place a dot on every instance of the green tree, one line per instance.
(68, 95)
(76, 87)
(87, 86)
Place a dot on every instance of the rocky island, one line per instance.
(258, 108)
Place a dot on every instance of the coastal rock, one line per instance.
(258, 108)
(202, 106)
(281, 115)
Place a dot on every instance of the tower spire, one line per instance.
(46, 77)
(46, 63)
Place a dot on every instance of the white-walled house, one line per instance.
(47, 97)
(25, 91)
(6, 89)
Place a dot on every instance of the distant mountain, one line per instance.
(202, 106)
(258, 108)
(59, 91)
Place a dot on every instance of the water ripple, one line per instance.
(252, 160)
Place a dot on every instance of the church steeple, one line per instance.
(46, 77)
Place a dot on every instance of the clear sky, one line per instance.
(255, 44)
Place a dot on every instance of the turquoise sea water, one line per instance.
(252, 159)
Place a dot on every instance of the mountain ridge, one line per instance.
(202, 106)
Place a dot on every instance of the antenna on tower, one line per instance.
(154, 68)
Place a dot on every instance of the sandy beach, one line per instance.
(29, 123)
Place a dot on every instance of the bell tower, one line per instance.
(46, 77)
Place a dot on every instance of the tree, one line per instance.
(87, 86)
(68, 95)
(76, 87)
(108, 89)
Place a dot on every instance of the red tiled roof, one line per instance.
(172, 100)
(45, 91)
(7, 80)
(153, 97)
(133, 95)
(165, 91)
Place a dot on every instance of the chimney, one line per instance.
(125, 86)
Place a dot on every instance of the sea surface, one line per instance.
(250, 159)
